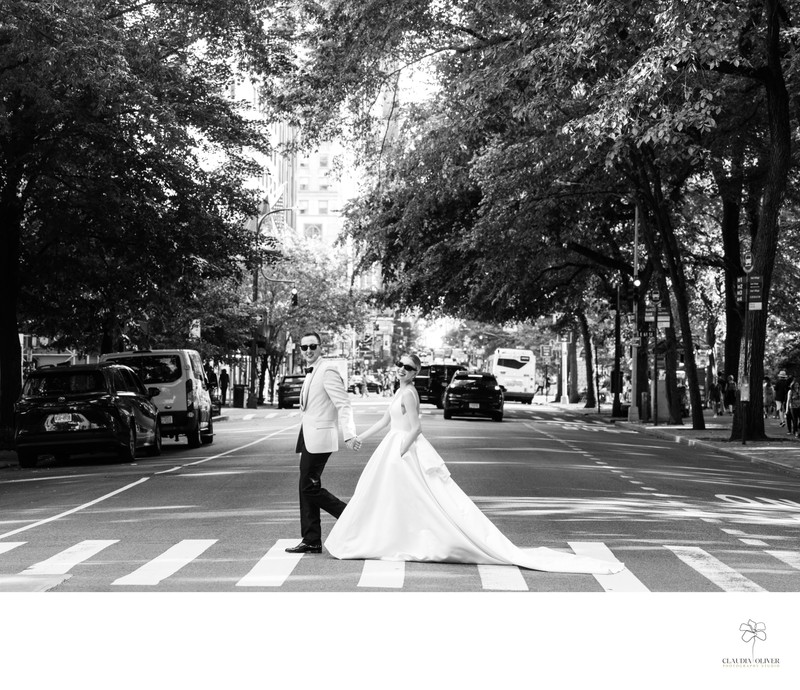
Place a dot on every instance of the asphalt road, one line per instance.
(218, 518)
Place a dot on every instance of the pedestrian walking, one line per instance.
(323, 403)
(715, 396)
(406, 506)
(793, 409)
(730, 394)
(769, 398)
(781, 393)
(224, 381)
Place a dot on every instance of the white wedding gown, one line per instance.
(409, 509)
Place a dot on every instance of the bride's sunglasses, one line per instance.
(311, 346)
(407, 367)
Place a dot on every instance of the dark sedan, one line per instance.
(475, 394)
(289, 390)
(85, 408)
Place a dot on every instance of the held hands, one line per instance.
(353, 443)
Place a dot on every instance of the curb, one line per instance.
(708, 445)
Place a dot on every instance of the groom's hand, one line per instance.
(353, 443)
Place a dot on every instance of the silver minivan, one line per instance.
(183, 400)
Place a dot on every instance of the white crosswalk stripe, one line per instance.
(623, 581)
(8, 545)
(168, 563)
(274, 568)
(503, 578)
(388, 574)
(722, 575)
(63, 562)
(791, 558)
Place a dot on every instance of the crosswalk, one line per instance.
(277, 568)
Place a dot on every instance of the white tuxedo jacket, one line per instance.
(323, 403)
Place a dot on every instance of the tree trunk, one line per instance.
(572, 380)
(765, 242)
(591, 390)
(10, 350)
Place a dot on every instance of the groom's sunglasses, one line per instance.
(407, 367)
(312, 347)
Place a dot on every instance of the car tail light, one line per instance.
(189, 395)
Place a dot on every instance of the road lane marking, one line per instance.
(168, 563)
(754, 542)
(8, 545)
(64, 561)
(623, 581)
(791, 558)
(505, 578)
(137, 482)
(723, 576)
(274, 568)
(383, 574)
(74, 510)
(30, 583)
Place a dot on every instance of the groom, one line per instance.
(323, 401)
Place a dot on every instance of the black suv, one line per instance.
(432, 379)
(85, 408)
(474, 394)
(289, 390)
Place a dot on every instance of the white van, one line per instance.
(183, 401)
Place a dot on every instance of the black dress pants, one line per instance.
(313, 497)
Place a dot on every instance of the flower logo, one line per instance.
(752, 631)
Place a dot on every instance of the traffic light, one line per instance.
(294, 297)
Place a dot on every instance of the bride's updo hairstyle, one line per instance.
(416, 360)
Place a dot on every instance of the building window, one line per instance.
(303, 181)
(323, 160)
(325, 186)
(302, 207)
(312, 231)
(323, 207)
(304, 162)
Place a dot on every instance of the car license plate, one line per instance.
(62, 418)
(166, 419)
(474, 406)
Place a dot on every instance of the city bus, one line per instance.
(515, 370)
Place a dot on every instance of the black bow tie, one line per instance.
(309, 370)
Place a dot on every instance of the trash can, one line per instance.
(238, 394)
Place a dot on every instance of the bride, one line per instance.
(406, 507)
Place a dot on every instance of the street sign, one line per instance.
(655, 296)
(754, 293)
(747, 262)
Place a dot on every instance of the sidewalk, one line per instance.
(781, 451)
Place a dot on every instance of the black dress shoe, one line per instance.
(302, 547)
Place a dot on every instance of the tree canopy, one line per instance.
(553, 122)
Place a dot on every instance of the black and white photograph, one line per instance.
(368, 343)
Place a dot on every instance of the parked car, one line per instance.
(474, 394)
(183, 400)
(432, 380)
(289, 390)
(83, 409)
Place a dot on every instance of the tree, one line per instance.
(111, 112)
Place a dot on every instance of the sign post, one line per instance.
(564, 338)
(744, 388)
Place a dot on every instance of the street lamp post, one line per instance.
(252, 396)
(633, 409)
